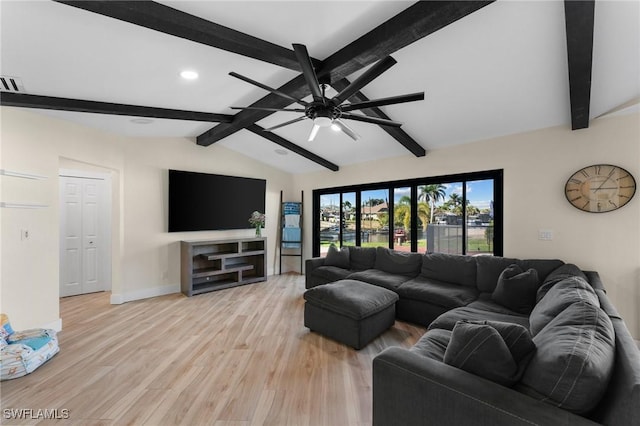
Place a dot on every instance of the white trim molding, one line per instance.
(146, 293)
(5, 172)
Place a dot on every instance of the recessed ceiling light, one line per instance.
(141, 120)
(281, 151)
(189, 75)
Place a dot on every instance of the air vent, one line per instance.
(11, 84)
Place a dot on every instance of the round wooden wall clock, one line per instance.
(600, 188)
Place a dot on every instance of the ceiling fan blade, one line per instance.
(286, 123)
(307, 70)
(267, 88)
(346, 129)
(271, 109)
(366, 77)
(368, 119)
(383, 101)
(314, 132)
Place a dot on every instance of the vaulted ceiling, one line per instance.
(487, 69)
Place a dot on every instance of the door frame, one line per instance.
(106, 221)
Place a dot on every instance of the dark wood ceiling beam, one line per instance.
(396, 132)
(579, 19)
(78, 105)
(410, 25)
(168, 20)
(292, 147)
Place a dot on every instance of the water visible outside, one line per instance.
(438, 238)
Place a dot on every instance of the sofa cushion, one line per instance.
(437, 292)
(490, 349)
(490, 268)
(556, 300)
(338, 258)
(574, 361)
(379, 278)
(432, 344)
(567, 270)
(486, 303)
(449, 319)
(450, 268)
(362, 258)
(396, 262)
(331, 273)
(516, 289)
(353, 299)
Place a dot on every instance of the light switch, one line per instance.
(545, 234)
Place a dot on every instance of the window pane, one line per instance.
(329, 222)
(349, 219)
(444, 230)
(402, 219)
(451, 217)
(374, 218)
(480, 217)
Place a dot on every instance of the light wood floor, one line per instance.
(240, 356)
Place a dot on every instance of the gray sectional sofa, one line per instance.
(509, 341)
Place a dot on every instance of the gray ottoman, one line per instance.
(349, 311)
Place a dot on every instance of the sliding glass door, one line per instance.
(457, 214)
(374, 218)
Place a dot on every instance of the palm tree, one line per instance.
(454, 204)
(432, 194)
(423, 214)
(402, 212)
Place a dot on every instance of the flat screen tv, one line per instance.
(203, 201)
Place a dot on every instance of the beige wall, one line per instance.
(145, 257)
(536, 167)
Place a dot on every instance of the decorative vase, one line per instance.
(258, 231)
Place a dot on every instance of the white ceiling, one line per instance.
(499, 71)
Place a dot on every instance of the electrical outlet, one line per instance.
(545, 234)
(24, 234)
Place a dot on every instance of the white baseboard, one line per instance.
(120, 298)
(55, 325)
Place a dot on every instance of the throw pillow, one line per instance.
(516, 289)
(516, 337)
(480, 349)
(339, 258)
(574, 361)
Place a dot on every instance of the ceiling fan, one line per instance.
(326, 111)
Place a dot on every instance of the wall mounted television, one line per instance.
(203, 201)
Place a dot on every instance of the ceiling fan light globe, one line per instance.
(322, 121)
(335, 127)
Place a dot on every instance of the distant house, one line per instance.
(372, 212)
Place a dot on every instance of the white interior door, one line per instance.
(83, 227)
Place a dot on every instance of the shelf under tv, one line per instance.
(209, 265)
